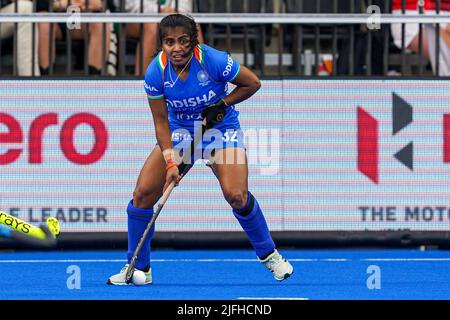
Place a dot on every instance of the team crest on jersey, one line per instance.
(202, 77)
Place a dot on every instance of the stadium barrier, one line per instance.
(299, 36)
(331, 161)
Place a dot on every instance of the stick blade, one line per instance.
(16, 239)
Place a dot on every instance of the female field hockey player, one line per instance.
(186, 83)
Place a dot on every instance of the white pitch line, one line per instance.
(227, 260)
(63, 261)
(335, 260)
(406, 259)
(270, 298)
(155, 260)
(245, 260)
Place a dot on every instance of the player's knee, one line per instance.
(236, 198)
(144, 198)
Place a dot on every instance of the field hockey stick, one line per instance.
(183, 169)
(18, 230)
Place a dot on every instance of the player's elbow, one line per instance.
(256, 85)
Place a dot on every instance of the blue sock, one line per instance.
(252, 221)
(138, 220)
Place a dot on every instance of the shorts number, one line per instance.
(232, 138)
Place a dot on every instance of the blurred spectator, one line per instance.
(95, 30)
(24, 36)
(150, 30)
(358, 65)
(411, 41)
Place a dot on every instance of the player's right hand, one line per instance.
(172, 174)
(215, 113)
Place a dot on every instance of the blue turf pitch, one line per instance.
(229, 274)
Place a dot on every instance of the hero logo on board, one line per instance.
(15, 135)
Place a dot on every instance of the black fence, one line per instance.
(119, 49)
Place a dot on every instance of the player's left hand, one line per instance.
(172, 174)
(215, 113)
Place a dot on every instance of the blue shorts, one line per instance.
(226, 135)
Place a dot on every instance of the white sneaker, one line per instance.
(119, 279)
(279, 266)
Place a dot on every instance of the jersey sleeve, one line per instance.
(221, 65)
(153, 83)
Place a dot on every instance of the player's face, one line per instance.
(177, 46)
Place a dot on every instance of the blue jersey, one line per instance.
(206, 83)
